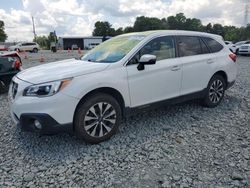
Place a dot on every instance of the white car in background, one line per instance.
(25, 46)
(244, 49)
(132, 71)
(235, 47)
(228, 43)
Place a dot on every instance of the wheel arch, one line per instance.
(223, 74)
(106, 90)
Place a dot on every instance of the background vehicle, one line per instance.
(3, 48)
(9, 67)
(244, 49)
(25, 46)
(74, 47)
(235, 47)
(128, 72)
(228, 42)
(13, 54)
(93, 45)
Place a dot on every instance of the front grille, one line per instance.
(14, 89)
(244, 47)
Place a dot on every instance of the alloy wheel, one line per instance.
(216, 91)
(100, 119)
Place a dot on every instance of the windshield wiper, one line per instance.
(91, 60)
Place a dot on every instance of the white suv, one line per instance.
(89, 96)
(25, 46)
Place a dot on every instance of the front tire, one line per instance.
(215, 91)
(35, 50)
(97, 118)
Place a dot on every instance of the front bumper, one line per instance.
(54, 113)
(48, 124)
(230, 84)
(244, 52)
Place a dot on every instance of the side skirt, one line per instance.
(197, 95)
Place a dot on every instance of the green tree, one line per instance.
(119, 31)
(103, 29)
(3, 35)
(193, 24)
(208, 28)
(178, 22)
(128, 29)
(143, 23)
(218, 29)
(43, 42)
(52, 37)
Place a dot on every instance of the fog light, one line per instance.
(38, 125)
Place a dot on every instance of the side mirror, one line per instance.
(146, 59)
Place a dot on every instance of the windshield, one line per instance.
(113, 49)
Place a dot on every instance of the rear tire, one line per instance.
(237, 52)
(214, 92)
(97, 118)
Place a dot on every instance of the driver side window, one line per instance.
(161, 47)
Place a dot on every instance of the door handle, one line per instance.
(175, 68)
(210, 61)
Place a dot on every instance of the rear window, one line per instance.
(204, 47)
(188, 46)
(213, 45)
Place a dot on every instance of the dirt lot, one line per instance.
(185, 145)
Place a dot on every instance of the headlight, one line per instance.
(46, 89)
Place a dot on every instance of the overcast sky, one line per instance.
(77, 17)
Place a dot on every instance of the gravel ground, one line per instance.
(33, 59)
(184, 145)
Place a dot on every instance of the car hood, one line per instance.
(60, 70)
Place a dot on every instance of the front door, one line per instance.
(159, 81)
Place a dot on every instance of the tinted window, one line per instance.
(188, 46)
(204, 47)
(213, 45)
(162, 48)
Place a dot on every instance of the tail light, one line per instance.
(17, 64)
(233, 57)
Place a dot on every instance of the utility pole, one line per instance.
(246, 14)
(34, 29)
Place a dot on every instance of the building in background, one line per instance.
(80, 42)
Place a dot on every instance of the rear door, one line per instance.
(196, 62)
(23, 47)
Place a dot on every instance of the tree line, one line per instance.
(177, 22)
(142, 23)
(3, 35)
